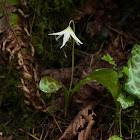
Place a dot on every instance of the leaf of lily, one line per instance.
(109, 79)
(49, 85)
(80, 84)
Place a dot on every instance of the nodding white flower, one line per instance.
(68, 32)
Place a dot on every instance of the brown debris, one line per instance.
(116, 50)
(13, 41)
(62, 75)
(77, 126)
(4, 138)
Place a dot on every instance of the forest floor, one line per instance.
(104, 27)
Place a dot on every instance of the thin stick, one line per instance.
(58, 125)
(42, 134)
(86, 23)
(121, 33)
(91, 61)
(81, 52)
(46, 135)
(28, 133)
(31, 26)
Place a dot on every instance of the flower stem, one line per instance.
(68, 96)
(72, 60)
(120, 123)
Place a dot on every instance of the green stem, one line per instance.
(120, 123)
(68, 95)
(72, 62)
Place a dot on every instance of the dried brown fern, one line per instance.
(16, 47)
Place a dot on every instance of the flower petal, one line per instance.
(65, 39)
(77, 42)
(75, 37)
(58, 37)
(59, 33)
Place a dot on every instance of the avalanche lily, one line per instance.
(68, 32)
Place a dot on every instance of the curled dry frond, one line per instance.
(16, 47)
(81, 124)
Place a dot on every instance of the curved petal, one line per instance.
(77, 42)
(58, 37)
(59, 33)
(75, 37)
(65, 39)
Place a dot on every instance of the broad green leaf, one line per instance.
(132, 84)
(125, 101)
(115, 138)
(109, 79)
(49, 85)
(109, 59)
(80, 84)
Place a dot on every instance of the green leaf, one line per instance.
(115, 138)
(109, 79)
(125, 101)
(109, 59)
(123, 71)
(80, 84)
(132, 84)
(49, 85)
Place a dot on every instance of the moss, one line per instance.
(47, 48)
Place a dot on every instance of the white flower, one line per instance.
(67, 33)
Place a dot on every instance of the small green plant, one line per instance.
(109, 59)
(115, 138)
(123, 95)
(68, 32)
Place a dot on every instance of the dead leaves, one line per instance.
(16, 47)
(81, 125)
(4, 138)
